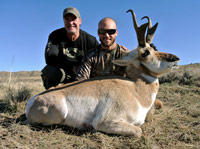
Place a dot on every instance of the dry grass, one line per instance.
(176, 125)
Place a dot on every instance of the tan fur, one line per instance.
(112, 104)
(158, 104)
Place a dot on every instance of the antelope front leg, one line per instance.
(119, 127)
(150, 114)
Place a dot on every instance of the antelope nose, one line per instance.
(173, 58)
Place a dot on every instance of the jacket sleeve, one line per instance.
(85, 68)
(51, 53)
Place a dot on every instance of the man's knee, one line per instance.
(51, 76)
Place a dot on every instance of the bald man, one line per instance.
(98, 63)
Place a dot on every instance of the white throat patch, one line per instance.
(150, 78)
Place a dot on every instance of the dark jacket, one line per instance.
(64, 53)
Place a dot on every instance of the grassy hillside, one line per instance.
(175, 126)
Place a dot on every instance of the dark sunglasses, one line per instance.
(104, 31)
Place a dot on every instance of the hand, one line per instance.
(124, 48)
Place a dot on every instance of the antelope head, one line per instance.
(145, 57)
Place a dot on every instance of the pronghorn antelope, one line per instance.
(113, 104)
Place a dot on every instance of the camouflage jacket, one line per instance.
(97, 63)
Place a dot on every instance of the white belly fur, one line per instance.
(80, 111)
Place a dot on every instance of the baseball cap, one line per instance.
(71, 10)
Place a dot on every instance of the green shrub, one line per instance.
(13, 97)
(185, 75)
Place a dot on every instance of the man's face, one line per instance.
(72, 23)
(107, 33)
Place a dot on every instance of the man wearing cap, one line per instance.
(65, 49)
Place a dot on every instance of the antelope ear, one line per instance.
(126, 60)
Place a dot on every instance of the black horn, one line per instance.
(151, 30)
(140, 31)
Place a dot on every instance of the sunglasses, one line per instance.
(104, 31)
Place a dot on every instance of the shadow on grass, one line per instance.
(66, 129)
(6, 122)
(22, 120)
(4, 107)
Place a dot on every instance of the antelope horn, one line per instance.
(151, 30)
(140, 31)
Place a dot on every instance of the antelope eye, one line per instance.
(145, 54)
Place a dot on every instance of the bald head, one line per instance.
(107, 23)
(107, 31)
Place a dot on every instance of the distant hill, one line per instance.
(185, 74)
(20, 74)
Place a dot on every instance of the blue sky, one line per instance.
(26, 24)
